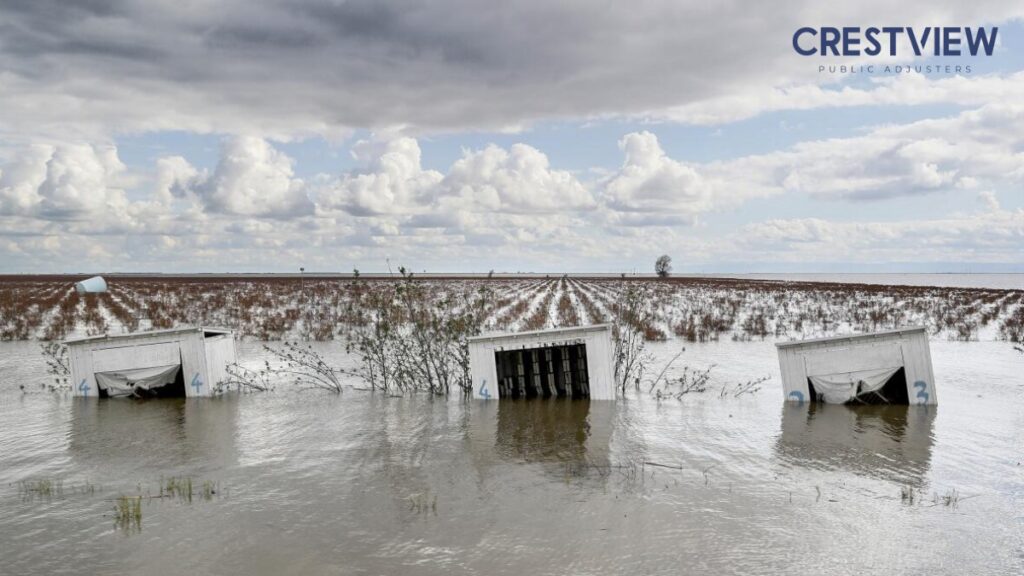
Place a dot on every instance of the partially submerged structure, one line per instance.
(564, 362)
(93, 285)
(889, 367)
(177, 362)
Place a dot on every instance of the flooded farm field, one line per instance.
(685, 308)
(306, 482)
(315, 483)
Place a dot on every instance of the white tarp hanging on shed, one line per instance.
(129, 382)
(842, 387)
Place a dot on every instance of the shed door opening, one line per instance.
(554, 371)
(157, 382)
(893, 392)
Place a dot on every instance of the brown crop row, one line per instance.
(691, 309)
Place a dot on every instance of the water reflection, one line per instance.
(407, 449)
(155, 435)
(885, 441)
(550, 431)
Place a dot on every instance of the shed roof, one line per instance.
(533, 333)
(150, 333)
(852, 337)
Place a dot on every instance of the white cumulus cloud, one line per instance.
(65, 181)
(392, 182)
(253, 178)
(517, 180)
(651, 183)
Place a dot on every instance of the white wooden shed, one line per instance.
(177, 362)
(891, 367)
(573, 362)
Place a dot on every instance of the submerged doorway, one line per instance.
(894, 391)
(554, 371)
(157, 382)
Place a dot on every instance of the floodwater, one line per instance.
(1006, 281)
(311, 483)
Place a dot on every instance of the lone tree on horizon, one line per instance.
(663, 266)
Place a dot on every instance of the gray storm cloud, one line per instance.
(289, 69)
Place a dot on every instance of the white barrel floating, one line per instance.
(91, 285)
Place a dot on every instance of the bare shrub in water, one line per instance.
(697, 381)
(293, 362)
(304, 366)
(740, 388)
(244, 379)
(662, 387)
(406, 337)
(691, 382)
(630, 316)
(411, 339)
(57, 364)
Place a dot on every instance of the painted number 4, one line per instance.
(484, 392)
(197, 384)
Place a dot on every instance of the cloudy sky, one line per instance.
(458, 135)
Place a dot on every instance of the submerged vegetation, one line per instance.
(423, 503)
(911, 496)
(128, 513)
(182, 488)
(128, 508)
(42, 488)
(51, 488)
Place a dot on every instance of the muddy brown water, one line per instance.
(311, 483)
